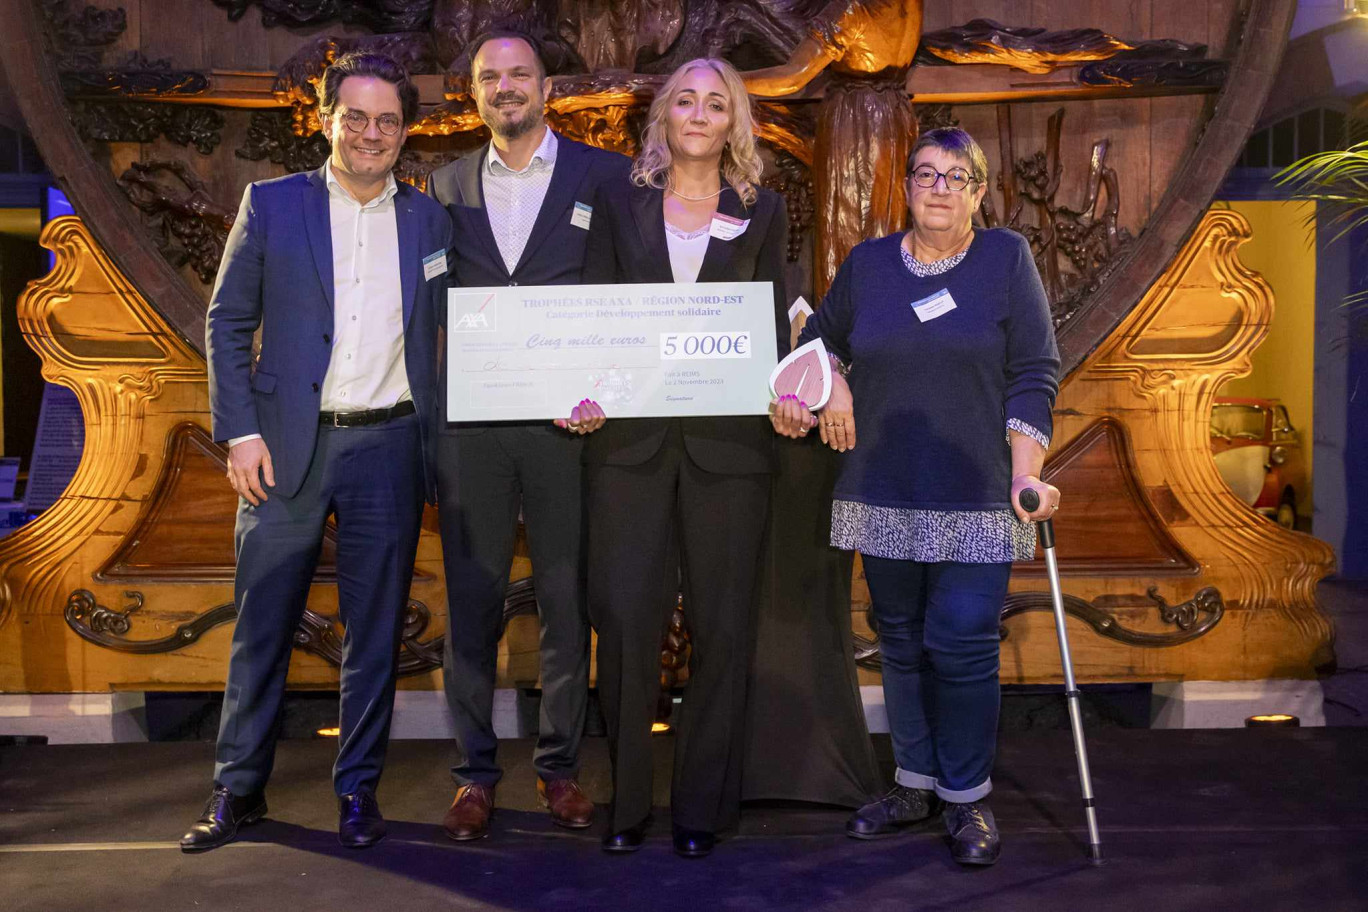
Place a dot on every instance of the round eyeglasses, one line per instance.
(356, 122)
(955, 179)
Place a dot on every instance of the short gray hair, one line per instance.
(956, 142)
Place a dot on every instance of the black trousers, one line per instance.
(483, 479)
(719, 522)
(371, 480)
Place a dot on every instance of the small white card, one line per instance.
(581, 215)
(936, 305)
(434, 264)
(800, 306)
(726, 228)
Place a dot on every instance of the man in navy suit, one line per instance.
(343, 270)
(524, 204)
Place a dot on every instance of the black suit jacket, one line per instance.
(627, 245)
(554, 254)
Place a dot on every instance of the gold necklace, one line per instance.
(694, 199)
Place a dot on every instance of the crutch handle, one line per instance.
(1030, 502)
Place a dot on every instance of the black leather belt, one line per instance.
(366, 416)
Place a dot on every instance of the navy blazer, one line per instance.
(555, 248)
(277, 273)
(627, 245)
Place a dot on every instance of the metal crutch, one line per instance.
(1030, 501)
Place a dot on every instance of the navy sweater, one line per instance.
(932, 398)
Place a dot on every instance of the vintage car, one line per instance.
(1259, 455)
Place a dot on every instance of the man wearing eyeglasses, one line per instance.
(342, 270)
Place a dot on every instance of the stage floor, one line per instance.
(1210, 820)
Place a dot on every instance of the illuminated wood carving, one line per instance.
(611, 57)
(1193, 331)
(1113, 528)
(116, 359)
(185, 532)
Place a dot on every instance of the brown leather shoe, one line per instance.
(568, 805)
(468, 816)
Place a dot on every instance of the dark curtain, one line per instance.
(806, 738)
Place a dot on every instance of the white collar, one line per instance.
(546, 151)
(391, 187)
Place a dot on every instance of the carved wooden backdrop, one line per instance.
(1107, 126)
(184, 106)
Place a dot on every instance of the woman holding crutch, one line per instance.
(692, 211)
(952, 367)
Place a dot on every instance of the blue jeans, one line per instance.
(938, 637)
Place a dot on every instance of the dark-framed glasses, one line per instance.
(356, 122)
(955, 179)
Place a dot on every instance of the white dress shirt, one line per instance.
(366, 369)
(513, 199)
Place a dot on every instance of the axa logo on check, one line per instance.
(473, 313)
(473, 321)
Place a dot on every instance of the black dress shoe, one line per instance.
(222, 816)
(973, 833)
(899, 809)
(693, 843)
(359, 823)
(628, 840)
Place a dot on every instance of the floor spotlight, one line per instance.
(332, 732)
(1273, 720)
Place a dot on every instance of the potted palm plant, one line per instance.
(1337, 181)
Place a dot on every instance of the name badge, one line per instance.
(936, 305)
(434, 264)
(581, 215)
(725, 227)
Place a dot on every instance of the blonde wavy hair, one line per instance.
(741, 164)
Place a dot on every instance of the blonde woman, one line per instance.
(692, 211)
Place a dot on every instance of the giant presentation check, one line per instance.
(528, 352)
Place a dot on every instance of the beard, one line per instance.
(524, 122)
